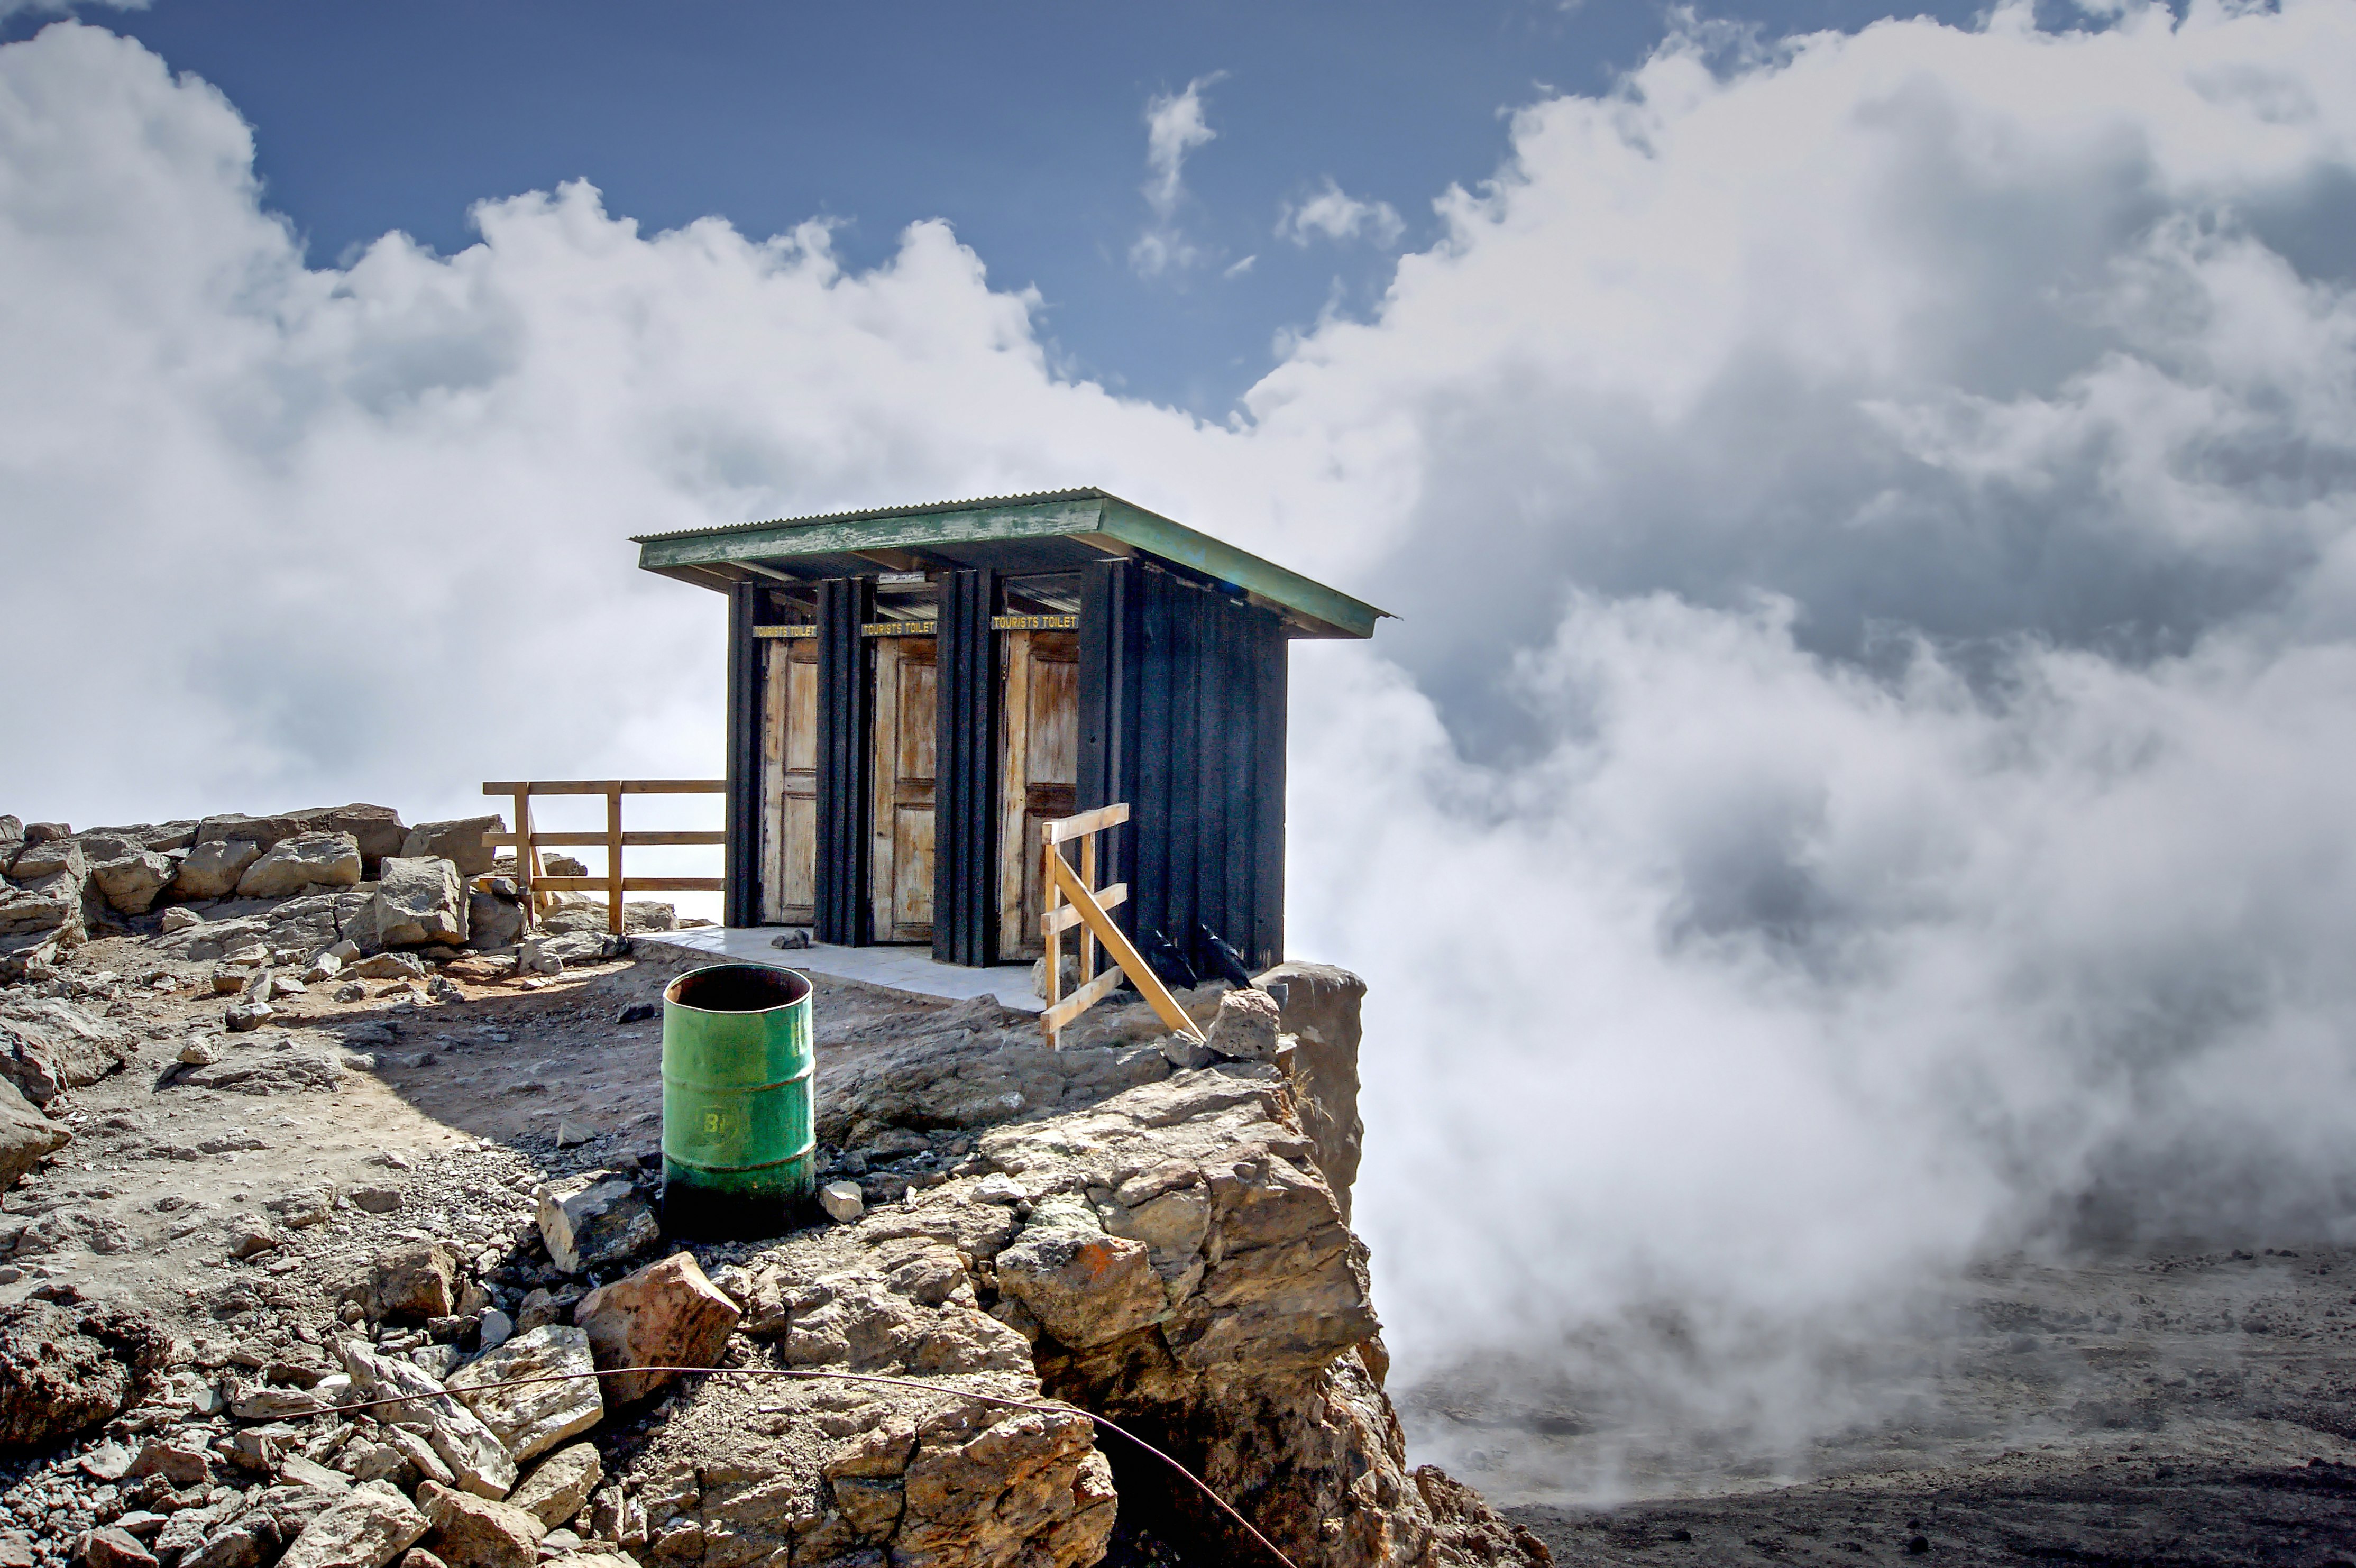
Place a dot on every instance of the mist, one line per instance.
(1856, 783)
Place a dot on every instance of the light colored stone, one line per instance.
(666, 1314)
(300, 864)
(478, 1533)
(285, 985)
(841, 1201)
(535, 1418)
(366, 1527)
(176, 919)
(26, 1137)
(477, 1459)
(598, 1219)
(1085, 1288)
(495, 1330)
(558, 1491)
(460, 842)
(134, 881)
(322, 969)
(51, 902)
(1245, 1029)
(419, 1280)
(376, 829)
(420, 900)
(199, 1050)
(386, 966)
(210, 870)
(244, 1018)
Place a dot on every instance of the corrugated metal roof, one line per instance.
(1084, 493)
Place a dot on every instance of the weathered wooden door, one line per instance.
(789, 782)
(1038, 776)
(907, 716)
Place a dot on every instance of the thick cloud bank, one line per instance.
(1859, 782)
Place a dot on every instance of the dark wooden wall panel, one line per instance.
(741, 869)
(965, 817)
(845, 912)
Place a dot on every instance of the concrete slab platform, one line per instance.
(906, 968)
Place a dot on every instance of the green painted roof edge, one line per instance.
(1042, 515)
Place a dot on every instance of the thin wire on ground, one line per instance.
(809, 1376)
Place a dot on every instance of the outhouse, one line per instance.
(913, 690)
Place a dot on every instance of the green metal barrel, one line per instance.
(739, 1151)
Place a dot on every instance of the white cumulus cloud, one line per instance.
(1175, 124)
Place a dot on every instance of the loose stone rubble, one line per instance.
(1020, 1235)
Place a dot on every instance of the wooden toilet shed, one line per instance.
(913, 690)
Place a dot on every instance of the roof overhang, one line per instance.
(1056, 532)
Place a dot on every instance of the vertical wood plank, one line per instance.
(1271, 672)
(741, 872)
(527, 856)
(967, 919)
(1018, 865)
(1149, 825)
(843, 886)
(1088, 880)
(614, 859)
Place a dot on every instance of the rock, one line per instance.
(542, 1307)
(47, 858)
(249, 1238)
(182, 1461)
(262, 832)
(496, 1329)
(1185, 1052)
(841, 1201)
(533, 1419)
(666, 1314)
(197, 1051)
(300, 864)
(366, 1527)
(52, 902)
(1085, 1288)
(63, 1370)
(351, 990)
(211, 869)
(377, 830)
(493, 921)
(459, 842)
(26, 1137)
(322, 969)
(378, 1200)
(1321, 1013)
(1245, 1029)
(387, 966)
(244, 1018)
(134, 881)
(538, 956)
(557, 1492)
(282, 986)
(477, 1532)
(175, 919)
(419, 1280)
(49, 1044)
(112, 1549)
(420, 900)
(477, 1460)
(228, 981)
(595, 1220)
(418, 1557)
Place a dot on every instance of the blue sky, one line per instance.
(1023, 125)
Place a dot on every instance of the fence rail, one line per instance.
(1073, 898)
(532, 882)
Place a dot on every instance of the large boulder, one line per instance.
(560, 1488)
(41, 906)
(459, 842)
(667, 1315)
(600, 1218)
(46, 857)
(26, 1137)
(131, 880)
(63, 1370)
(49, 1044)
(300, 864)
(366, 1527)
(420, 900)
(419, 1280)
(211, 869)
(480, 1461)
(493, 921)
(1085, 1287)
(537, 1416)
(376, 829)
(260, 832)
(479, 1532)
(1320, 1013)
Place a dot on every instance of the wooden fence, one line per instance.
(531, 882)
(1073, 898)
